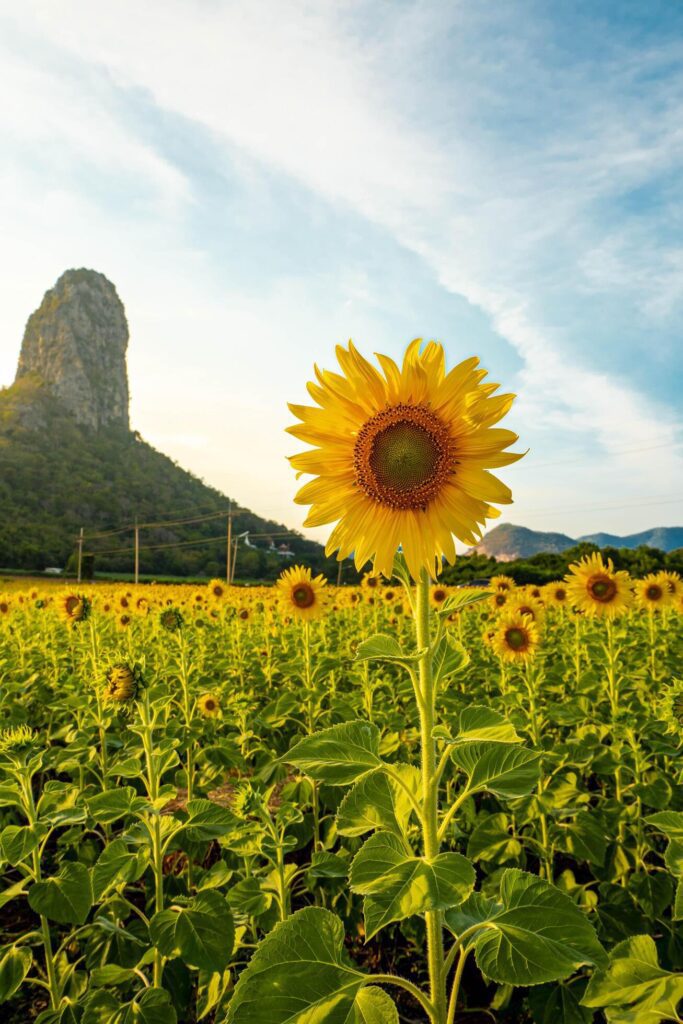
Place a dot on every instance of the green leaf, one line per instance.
(584, 838)
(338, 755)
(248, 898)
(478, 724)
(463, 598)
(492, 840)
(15, 963)
(12, 891)
(633, 988)
(557, 1004)
(114, 804)
(396, 885)
(207, 821)
(678, 902)
(153, 1007)
(300, 974)
(386, 648)
(372, 1005)
(327, 865)
(653, 892)
(401, 571)
(18, 841)
(210, 991)
(111, 974)
(671, 824)
(449, 659)
(202, 934)
(534, 934)
(117, 865)
(65, 898)
(379, 802)
(502, 769)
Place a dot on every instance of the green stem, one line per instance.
(430, 809)
(455, 990)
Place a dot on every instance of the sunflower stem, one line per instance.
(430, 802)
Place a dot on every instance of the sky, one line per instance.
(263, 180)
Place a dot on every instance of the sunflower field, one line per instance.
(398, 802)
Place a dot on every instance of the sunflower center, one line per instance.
(654, 593)
(516, 638)
(71, 605)
(560, 594)
(402, 457)
(303, 595)
(602, 589)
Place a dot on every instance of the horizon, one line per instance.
(284, 187)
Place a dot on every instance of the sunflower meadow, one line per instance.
(376, 804)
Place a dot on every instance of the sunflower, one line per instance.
(171, 620)
(499, 599)
(652, 592)
(502, 583)
(597, 588)
(525, 604)
(515, 637)
(209, 705)
(370, 582)
(74, 608)
(672, 581)
(122, 682)
(123, 620)
(437, 596)
(401, 456)
(4, 604)
(217, 589)
(301, 593)
(555, 594)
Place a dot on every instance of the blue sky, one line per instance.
(262, 180)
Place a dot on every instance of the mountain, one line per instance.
(68, 458)
(507, 542)
(666, 538)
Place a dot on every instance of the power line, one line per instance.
(182, 543)
(600, 508)
(617, 451)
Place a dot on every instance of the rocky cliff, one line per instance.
(75, 343)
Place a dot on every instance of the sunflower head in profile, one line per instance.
(171, 619)
(504, 583)
(672, 582)
(74, 608)
(555, 594)
(5, 604)
(516, 637)
(669, 706)
(209, 705)
(122, 683)
(124, 620)
(301, 593)
(217, 589)
(652, 592)
(401, 456)
(596, 588)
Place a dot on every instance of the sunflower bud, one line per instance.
(122, 683)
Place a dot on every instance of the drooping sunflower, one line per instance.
(171, 619)
(74, 608)
(672, 581)
(597, 588)
(122, 682)
(515, 638)
(502, 583)
(301, 592)
(652, 592)
(401, 456)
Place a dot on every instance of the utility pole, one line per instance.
(339, 573)
(137, 551)
(228, 557)
(80, 554)
(234, 560)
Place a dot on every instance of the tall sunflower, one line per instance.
(596, 588)
(502, 583)
(300, 592)
(401, 456)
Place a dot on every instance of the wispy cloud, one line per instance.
(542, 183)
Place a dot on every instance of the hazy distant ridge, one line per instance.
(508, 542)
